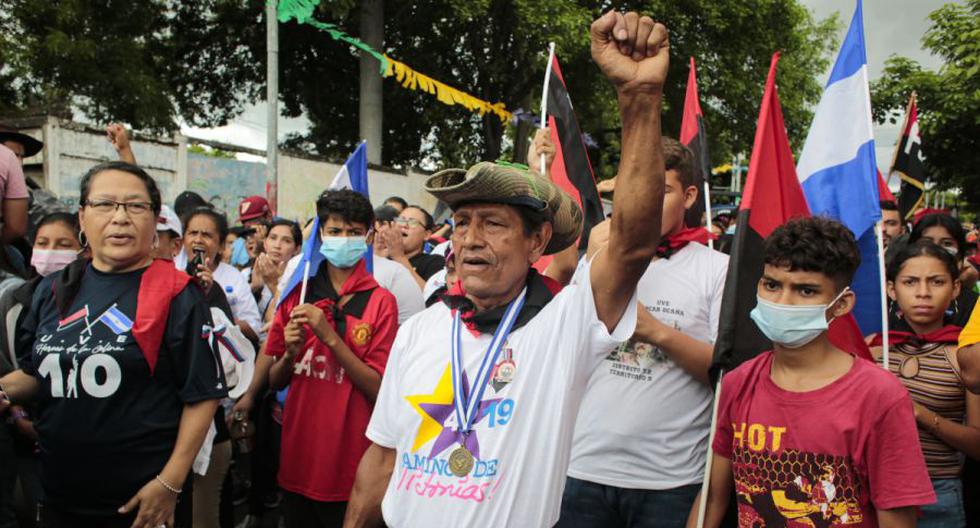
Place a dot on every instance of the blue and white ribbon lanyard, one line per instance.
(468, 408)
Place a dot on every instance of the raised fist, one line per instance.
(117, 136)
(632, 51)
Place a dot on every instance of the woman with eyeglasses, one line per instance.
(115, 352)
(405, 243)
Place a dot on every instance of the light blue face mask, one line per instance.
(239, 254)
(792, 326)
(343, 252)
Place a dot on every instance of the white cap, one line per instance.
(168, 221)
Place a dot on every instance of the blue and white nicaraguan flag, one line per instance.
(353, 175)
(837, 167)
(117, 321)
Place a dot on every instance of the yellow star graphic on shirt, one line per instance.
(441, 396)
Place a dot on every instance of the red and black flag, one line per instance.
(884, 193)
(772, 197)
(571, 169)
(694, 137)
(907, 163)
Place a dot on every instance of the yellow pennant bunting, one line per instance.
(302, 11)
(446, 94)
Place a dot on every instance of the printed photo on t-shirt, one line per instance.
(795, 488)
(636, 359)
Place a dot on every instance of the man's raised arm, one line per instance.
(632, 51)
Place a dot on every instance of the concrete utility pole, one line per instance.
(370, 103)
(272, 102)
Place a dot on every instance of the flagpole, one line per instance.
(705, 484)
(707, 211)
(884, 296)
(306, 279)
(544, 98)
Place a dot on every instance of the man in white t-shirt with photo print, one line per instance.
(642, 431)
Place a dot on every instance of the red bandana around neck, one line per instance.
(159, 284)
(540, 290)
(358, 281)
(673, 243)
(945, 335)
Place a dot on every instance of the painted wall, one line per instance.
(71, 149)
(224, 182)
(302, 180)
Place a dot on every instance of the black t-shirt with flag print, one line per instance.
(107, 425)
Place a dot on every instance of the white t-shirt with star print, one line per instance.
(523, 435)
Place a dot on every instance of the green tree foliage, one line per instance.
(496, 50)
(146, 63)
(150, 63)
(948, 99)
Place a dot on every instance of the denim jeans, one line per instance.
(947, 512)
(590, 505)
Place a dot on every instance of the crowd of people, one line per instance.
(370, 367)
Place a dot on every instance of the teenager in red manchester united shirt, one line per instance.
(331, 351)
(808, 434)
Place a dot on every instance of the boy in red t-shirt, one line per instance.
(808, 434)
(331, 351)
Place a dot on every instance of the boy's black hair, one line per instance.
(679, 158)
(922, 248)
(815, 244)
(385, 214)
(888, 205)
(346, 204)
(941, 220)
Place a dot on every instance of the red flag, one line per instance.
(884, 193)
(772, 197)
(571, 169)
(694, 137)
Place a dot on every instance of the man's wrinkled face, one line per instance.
(493, 251)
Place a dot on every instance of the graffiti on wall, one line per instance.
(224, 182)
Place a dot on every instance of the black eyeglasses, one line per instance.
(110, 206)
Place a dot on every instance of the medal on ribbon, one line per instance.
(467, 406)
(504, 372)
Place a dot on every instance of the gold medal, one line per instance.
(461, 462)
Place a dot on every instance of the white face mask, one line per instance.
(952, 250)
(48, 261)
(792, 326)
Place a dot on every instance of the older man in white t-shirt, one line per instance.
(473, 423)
(642, 432)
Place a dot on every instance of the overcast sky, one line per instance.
(891, 27)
